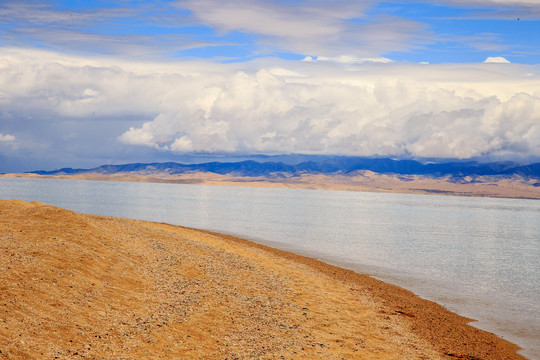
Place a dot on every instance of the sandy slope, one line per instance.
(77, 286)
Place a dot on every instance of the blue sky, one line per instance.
(89, 82)
(429, 31)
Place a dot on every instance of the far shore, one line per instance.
(480, 186)
(85, 286)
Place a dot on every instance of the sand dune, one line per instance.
(76, 286)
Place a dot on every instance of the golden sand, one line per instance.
(75, 286)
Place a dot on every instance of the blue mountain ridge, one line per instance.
(335, 165)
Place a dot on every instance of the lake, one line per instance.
(479, 257)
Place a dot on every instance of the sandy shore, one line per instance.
(76, 286)
(480, 186)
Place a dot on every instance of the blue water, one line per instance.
(479, 257)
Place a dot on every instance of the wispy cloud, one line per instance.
(311, 28)
(82, 42)
(496, 3)
(25, 13)
(498, 9)
(245, 29)
(96, 31)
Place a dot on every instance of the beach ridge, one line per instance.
(87, 286)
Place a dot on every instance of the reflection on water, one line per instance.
(477, 256)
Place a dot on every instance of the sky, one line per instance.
(86, 83)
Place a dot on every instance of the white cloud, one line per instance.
(272, 106)
(301, 19)
(497, 59)
(311, 27)
(352, 59)
(141, 136)
(499, 9)
(99, 31)
(6, 138)
(40, 13)
(495, 2)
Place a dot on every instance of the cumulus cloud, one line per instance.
(372, 109)
(497, 59)
(272, 107)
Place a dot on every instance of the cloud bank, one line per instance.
(270, 107)
(355, 114)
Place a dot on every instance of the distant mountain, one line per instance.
(336, 165)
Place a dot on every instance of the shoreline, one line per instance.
(363, 181)
(429, 318)
(393, 319)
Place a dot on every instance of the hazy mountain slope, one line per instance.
(337, 165)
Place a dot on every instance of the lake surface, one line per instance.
(479, 257)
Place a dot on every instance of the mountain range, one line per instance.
(329, 166)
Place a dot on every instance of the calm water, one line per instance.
(479, 257)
